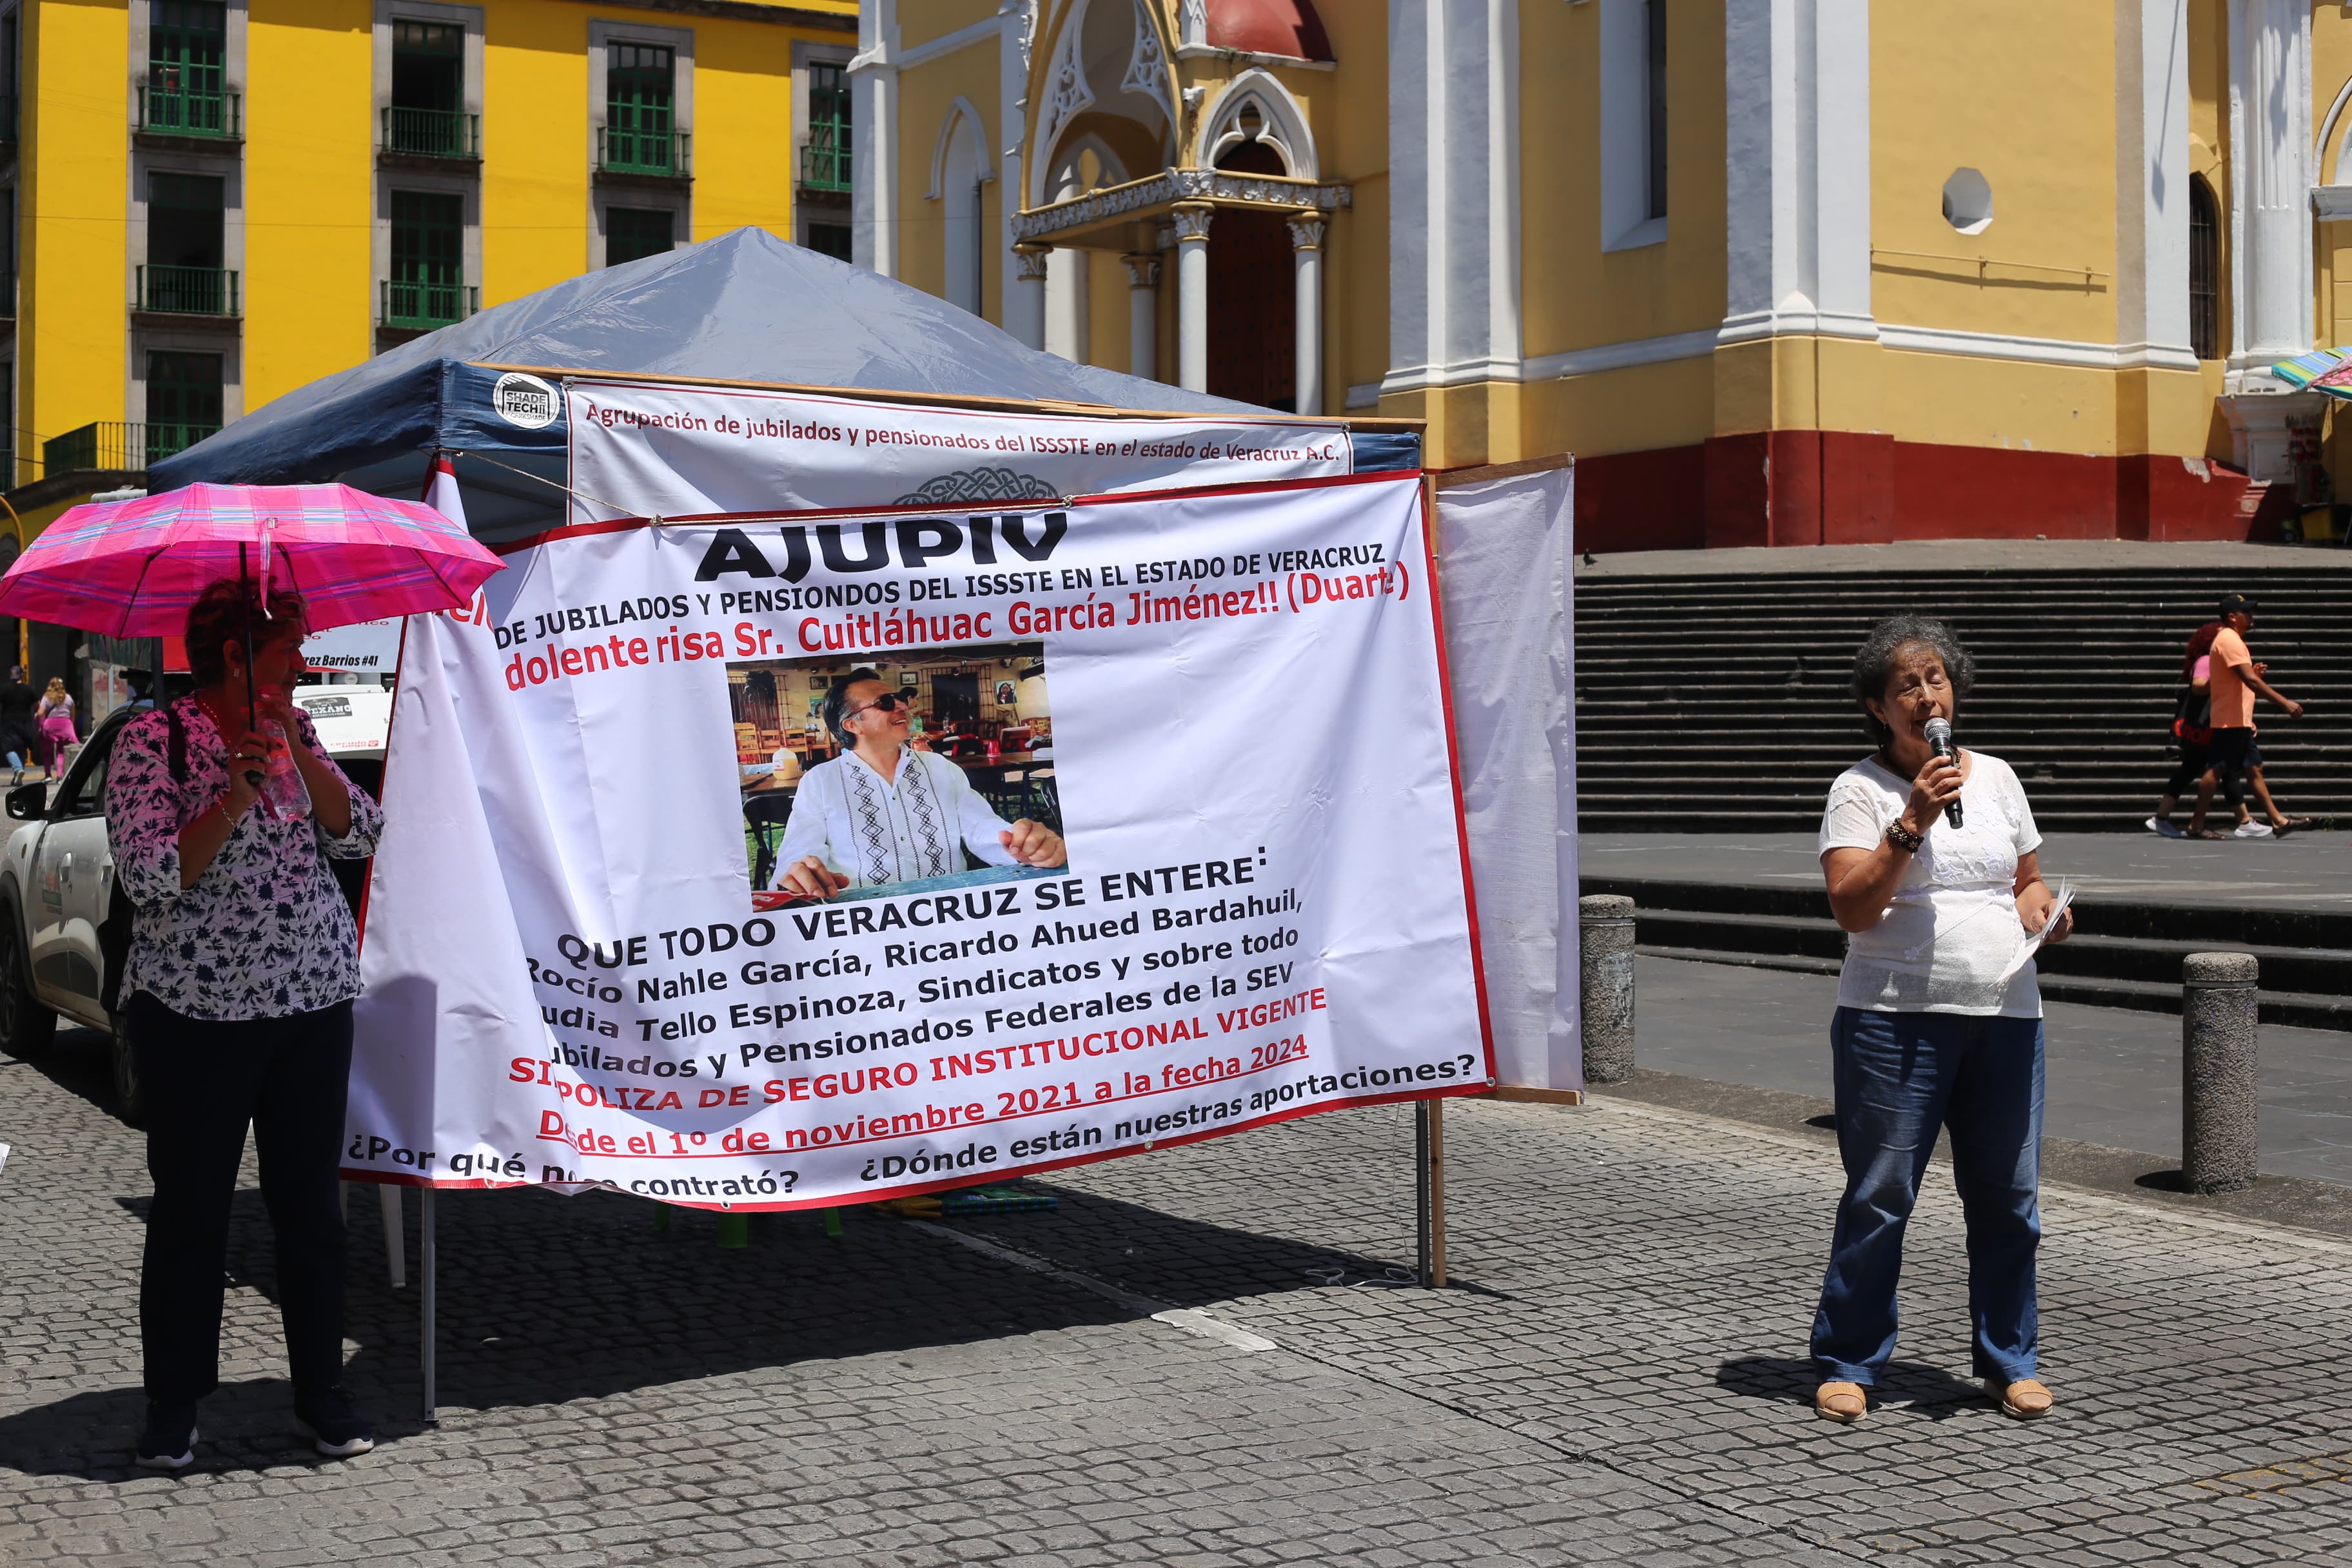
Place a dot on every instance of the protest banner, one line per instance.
(1228, 702)
(364, 648)
(643, 448)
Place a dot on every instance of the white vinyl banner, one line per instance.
(648, 450)
(368, 648)
(1147, 830)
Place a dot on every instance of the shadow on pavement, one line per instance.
(545, 1298)
(78, 1060)
(1791, 1380)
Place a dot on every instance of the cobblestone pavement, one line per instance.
(1615, 1376)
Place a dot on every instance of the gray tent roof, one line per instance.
(743, 307)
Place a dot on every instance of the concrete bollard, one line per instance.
(2219, 1112)
(1606, 922)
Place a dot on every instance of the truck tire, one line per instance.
(130, 1091)
(25, 1026)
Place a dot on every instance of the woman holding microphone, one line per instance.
(1939, 1021)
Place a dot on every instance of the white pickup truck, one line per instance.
(65, 927)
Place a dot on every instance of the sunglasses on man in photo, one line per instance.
(889, 702)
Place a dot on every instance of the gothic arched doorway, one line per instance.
(1253, 295)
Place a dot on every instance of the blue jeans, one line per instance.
(1900, 1075)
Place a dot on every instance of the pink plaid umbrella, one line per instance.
(131, 568)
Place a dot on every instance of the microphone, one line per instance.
(1940, 741)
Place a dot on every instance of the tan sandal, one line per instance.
(2026, 1399)
(1846, 1403)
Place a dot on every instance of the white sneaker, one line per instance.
(2163, 827)
(2252, 830)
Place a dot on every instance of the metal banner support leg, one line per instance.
(395, 1235)
(427, 1283)
(1429, 1184)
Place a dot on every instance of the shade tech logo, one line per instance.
(524, 400)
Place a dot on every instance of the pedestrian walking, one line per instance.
(2192, 728)
(2236, 679)
(244, 962)
(20, 735)
(54, 721)
(1939, 1020)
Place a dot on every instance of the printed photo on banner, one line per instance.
(868, 778)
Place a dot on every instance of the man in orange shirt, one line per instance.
(2236, 679)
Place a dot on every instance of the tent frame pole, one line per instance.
(429, 1282)
(1429, 1190)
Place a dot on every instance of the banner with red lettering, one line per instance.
(824, 857)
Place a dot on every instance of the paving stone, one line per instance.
(1616, 1376)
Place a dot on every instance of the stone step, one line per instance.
(2288, 1009)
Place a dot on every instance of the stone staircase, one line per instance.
(1718, 703)
(2123, 954)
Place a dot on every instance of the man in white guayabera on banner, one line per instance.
(883, 812)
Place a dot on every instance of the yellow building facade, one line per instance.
(1778, 272)
(214, 202)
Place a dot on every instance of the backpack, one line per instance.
(2192, 718)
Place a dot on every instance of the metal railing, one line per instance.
(825, 166)
(644, 153)
(173, 111)
(188, 290)
(422, 307)
(433, 133)
(113, 443)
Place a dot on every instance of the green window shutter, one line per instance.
(183, 401)
(427, 286)
(640, 87)
(187, 55)
(824, 162)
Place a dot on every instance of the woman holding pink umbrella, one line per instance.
(243, 963)
(221, 817)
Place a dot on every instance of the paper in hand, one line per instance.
(2030, 943)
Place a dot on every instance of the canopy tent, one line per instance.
(745, 308)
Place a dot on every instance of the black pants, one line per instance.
(205, 1081)
(2192, 768)
(2234, 752)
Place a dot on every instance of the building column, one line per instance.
(2270, 232)
(1797, 456)
(1307, 273)
(1025, 299)
(1192, 295)
(2152, 186)
(1143, 314)
(1453, 225)
(873, 152)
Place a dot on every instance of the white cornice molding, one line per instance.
(2036, 351)
(1754, 326)
(1248, 57)
(1041, 224)
(1619, 356)
(2332, 204)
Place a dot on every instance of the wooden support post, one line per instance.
(1429, 1170)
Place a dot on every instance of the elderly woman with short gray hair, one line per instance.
(1939, 1023)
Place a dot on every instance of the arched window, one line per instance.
(2204, 269)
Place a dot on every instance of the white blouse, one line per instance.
(875, 831)
(1949, 937)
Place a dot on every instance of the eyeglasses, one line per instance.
(889, 702)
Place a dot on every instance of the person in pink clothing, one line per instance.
(56, 718)
(2236, 679)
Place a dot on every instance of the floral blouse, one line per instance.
(265, 932)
